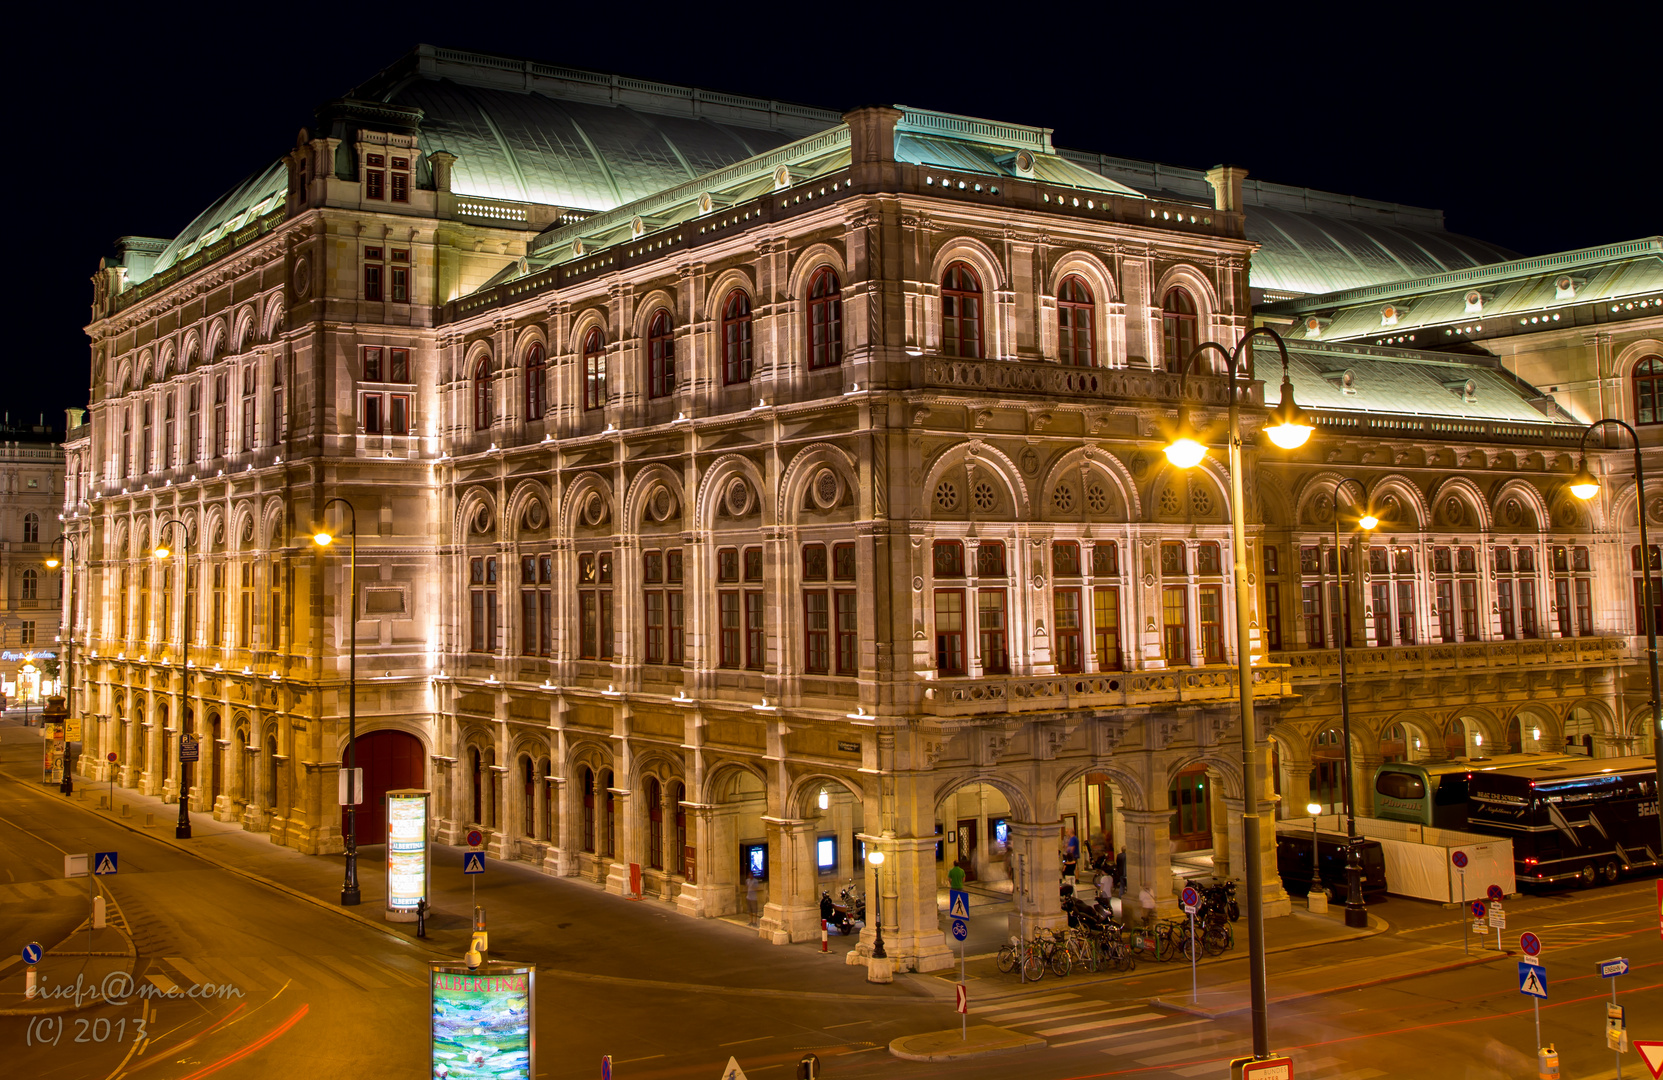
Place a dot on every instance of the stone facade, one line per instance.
(31, 498)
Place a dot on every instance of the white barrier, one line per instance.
(1418, 857)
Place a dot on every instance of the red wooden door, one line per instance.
(390, 760)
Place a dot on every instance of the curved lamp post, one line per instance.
(1356, 912)
(1584, 485)
(1288, 429)
(52, 563)
(183, 830)
(876, 859)
(349, 888)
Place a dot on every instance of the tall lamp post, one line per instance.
(1288, 429)
(876, 859)
(52, 563)
(1356, 912)
(183, 830)
(1584, 485)
(323, 538)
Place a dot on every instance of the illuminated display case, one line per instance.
(407, 856)
(483, 1020)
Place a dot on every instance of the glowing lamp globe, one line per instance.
(1185, 452)
(1313, 809)
(323, 539)
(1584, 485)
(876, 858)
(162, 553)
(1369, 521)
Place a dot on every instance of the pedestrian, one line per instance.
(1120, 869)
(1105, 882)
(1146, 901)
(750, 896)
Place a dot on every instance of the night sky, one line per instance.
(1535, 135)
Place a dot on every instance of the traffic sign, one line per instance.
(110, 757)
(1498, 917)
(733, 1071)
(1478, 909)
(961, 929)
(606, 1067)
(1610, 969)
(808, 1068)
(32, 952)
(75, 865)
(1192, 899)
(1459, 858)
(189, 749)
(958, 904)
(963, 1003)
(103, 862)
(473, 862)
(475, 838)
(1533, 979)
(1496, 894)
(1530, 943)
(1277, 1068)
(1652, 1054)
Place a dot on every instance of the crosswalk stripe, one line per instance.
(263, 972)
(1098, 1024)
(1217, 1050)
(354, 972)
(384, 967)
(1026, 1003)
(162, 982)
(223, 973)
(309, 974)
(1041, 1015)
(1203, 1069)
(30, 890)
(1080, 1012)
(1148, 1044)
(179, 964)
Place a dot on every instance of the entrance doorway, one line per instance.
(965, 858)
(1192, 823)
(391, 760)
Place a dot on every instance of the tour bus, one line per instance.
(1582, 819)
(1435, 792)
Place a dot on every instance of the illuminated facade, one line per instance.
(740, 486)
(31, 497)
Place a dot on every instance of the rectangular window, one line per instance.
(375, 176)
(1446, 610)
(536, 603)
(845, 612)
(401, 284)
(675, 622)
(1381, 595)
(990, 623)
(843, 562)
(1065, 558)
(1105, 559)
(1208, 559)
(1469, 610)
(1105, 622)
(1527, 607)
(949, 631)
(222, 385)
(27, 632)
(372, 363)
(594, 579)
(1066, 630)
(948, 559)
(398, 414)
(1310, 604)
(653, 610)
(1406, 611)
(370, 413)
(1272, 620)
(1211, 599)
(399, 362)
(1173, 563)
(990, 559)
(245, 607)
(1584, 606)
(372, 281)
(817, 632)
(1504, 601)
(482, 614)
(727, 610)
(401, 185)
(1562, 606)
(1175, 624)
(755, 643)
(825, 855)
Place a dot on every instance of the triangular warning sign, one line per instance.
(733, 1071)
(959, 909)
(106, 865)
(1652, 1054)
(1533, 985)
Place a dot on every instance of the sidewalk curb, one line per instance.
(1213, 1014)
(1004, 1042)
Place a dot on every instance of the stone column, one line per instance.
(793, 909)
(1036, 868)
(1149, 864)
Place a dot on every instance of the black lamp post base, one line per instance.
(67, 787)
(1356, 916)
(349, 896)
(182, 832)
(877, 949)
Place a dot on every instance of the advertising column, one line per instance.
(482, 1021)
(406, 853)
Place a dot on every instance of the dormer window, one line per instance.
(401, 179)
(375, 176)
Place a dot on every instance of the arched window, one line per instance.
(661, 356)
(478, 786)
(655, 824)
(609, 819)
(736, 339)
(31, 528)
(588, 837)
(1075, 316)
(1648, 390)
(482, 395)
(1178, 325)
(536, 360)
(825, 320)
(594, 369)
(961, 312)
(678, 853)
(30, 585)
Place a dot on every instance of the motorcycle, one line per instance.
(845, 916)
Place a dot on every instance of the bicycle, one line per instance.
(1009, 953)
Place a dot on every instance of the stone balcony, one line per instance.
(1210, 685)
(1455, 657)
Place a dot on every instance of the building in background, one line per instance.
(31, 500)
(739, 486)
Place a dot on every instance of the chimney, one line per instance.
(872, 134)
(1226, 181)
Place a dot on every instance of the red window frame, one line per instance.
(482, 621)
(961, 312)
(825, 320)
(1178, 326)
(1175, 634)
(594, 369)
(399, 362)
(1066, 624)
(727, 622)
(536, 365)
(949, 633)
(482, 417)
(816, 632)
(372, 280)
(372, 363)
(1648, 390)
(846, 627)
(992, 637)
(375, 176)
(661, 356)
(755, 641)
(1076, 321)
(1211, 610)
(738, 363)
(1106, 630)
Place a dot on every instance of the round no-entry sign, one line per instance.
(1530, 943)
(1191, 897)
(1459, 859)
(475, 838)
(110, 757)
(1495, 893)
(1478, 909)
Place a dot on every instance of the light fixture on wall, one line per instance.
(825, 799)
(1536, 734)
(1478, 741)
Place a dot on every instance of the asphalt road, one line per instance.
(671, 998)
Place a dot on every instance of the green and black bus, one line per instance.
(1435, 792)
(1583, 819)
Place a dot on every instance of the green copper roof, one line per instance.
(255, 196)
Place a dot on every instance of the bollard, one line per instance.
(29, 989)
(126, 809)
(421, 917)
(103, 803)
(1547, 1063)
(150, 821)
(98, 910)
(823, 945)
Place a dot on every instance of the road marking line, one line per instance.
(179, 964)
(1359, 1074)
(852, 1023)
(1102, 1010)
(742, 1042)
(1221, 1050)
(649, 1057)
(1027, 1003)
(385, 968)
(1039, 1016)
(225, 974)
(1096, 1024)
(350, 972)
(162, 982)
(1200, 1070)
(1147, 1044)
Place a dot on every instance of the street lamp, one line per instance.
(1356, 912)
(349, 888)
(876, 859)
(1316, 874)
(52, 563)
(1289, 429)
(1585, 486)
(183, 830)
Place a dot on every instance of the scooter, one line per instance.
(844, 916)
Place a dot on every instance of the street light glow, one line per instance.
(52, 562)
(162, 553)
(1584, 485)
(1313, 809)
(876, 858)
(1185, 452)
(322, 539)
(1289, 427)
(1369, 522)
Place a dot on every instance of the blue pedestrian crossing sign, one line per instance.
(958, 904)
(1533, 979)
(961, 929)
(103, 862)
(473, 862)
